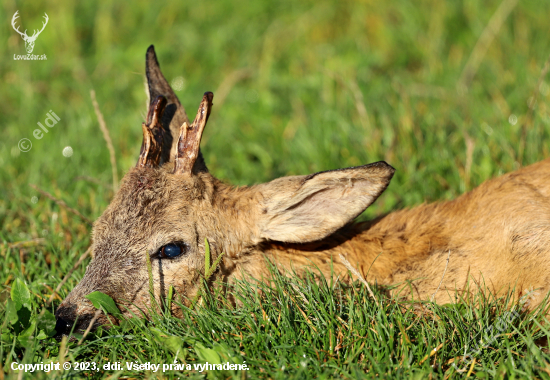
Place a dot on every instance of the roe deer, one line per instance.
(497, 234)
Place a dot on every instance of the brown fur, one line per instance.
(496, 235)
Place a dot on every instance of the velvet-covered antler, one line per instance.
(153, 135)
(190, 137)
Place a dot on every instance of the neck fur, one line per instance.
(384, 250)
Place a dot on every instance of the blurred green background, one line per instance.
(450, 93)
(300, 86)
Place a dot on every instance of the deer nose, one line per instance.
(65, 316)
(62, 327)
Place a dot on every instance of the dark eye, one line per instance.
(169, 251)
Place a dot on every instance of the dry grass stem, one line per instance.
(229, 82)
(485, 39)
(61, 203)
(358, 275)
(432, 353)
(26, 243)
(427, 91)
(360, 104)
(96, 316)
(300, 293)
(352, 86)
(440, 282)
(63, 350)
(107, 138)
(92, 180)
(532, 104)
(471, 368)
(470, 146)
(76, 265)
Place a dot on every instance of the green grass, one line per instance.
(319, 85)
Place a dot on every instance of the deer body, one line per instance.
(496, 235)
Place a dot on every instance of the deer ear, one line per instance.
(308, 208)
(174, 114)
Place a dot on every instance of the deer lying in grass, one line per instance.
(497, 234)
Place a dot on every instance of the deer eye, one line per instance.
(169, 251)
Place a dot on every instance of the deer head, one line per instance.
(169, 203)
(29, 41)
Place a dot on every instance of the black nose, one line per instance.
(62, 327)
(65, 316)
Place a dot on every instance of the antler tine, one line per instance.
(36, 32)
(190, 137)
(13, 20)
(153, 135)
(44, 23)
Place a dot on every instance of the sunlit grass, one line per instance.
(299, 87)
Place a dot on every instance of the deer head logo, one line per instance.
(29, 41)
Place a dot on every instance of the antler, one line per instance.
(15, 16)
(153, 135)
(190, 137)
(35, 34)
